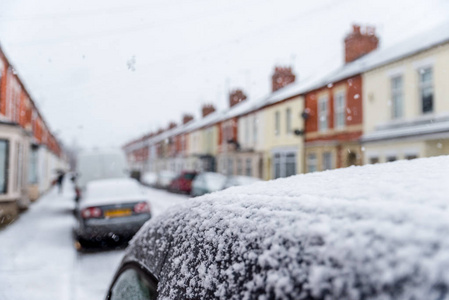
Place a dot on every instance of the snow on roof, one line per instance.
(109, 191)
(377, 58)
(426, 40)
(372, 232)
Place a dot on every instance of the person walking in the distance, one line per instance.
(59, 180)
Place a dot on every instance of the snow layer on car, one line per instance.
(109, 191)
(371, 232)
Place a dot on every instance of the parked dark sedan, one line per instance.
(318, 236)
(110, 209)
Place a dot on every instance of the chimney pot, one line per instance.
(358, 44)
(236, 97)
(187, 118)
(282, 76)
(207, 109)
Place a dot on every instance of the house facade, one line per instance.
(30, 155)
(380, 106)
(334, 109)
(406, 100)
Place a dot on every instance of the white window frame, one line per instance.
(288, 120)
(247, 135)
(340, 110)
(248, 167)
(312, 162)
(329, 155)
(277, 123)
(397, 97)
(425, 85)
(323, 114)
(255, 130)
(280, 157)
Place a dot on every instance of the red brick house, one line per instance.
(333, 110)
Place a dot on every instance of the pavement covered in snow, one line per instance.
(38, 260)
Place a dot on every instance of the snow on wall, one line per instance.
(371, 232)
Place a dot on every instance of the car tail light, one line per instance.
(91, 212)
(142, 207)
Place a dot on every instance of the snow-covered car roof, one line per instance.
(110, 191)
(371, 232)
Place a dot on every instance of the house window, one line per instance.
(32, 173)
(209, 140)
(284, 164)
(277, 123)
(426, 89)
(290, 164)
(396, 97)
(327, 161)
(323, 113)
(19, 167)
(311, 163)
(277, 165)
(247, 138)
(239, 166)
(340, 113)
(4, 157)
(230, 170)
(255, 121)
(249, 171)
(288, 119)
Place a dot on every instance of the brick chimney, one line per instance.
(359, 43)
(187, 118)
(172, 125)
(236, 97)
(207, 109)
(282, 76)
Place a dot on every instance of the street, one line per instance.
(38, 259)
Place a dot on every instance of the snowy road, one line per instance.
(38, 260)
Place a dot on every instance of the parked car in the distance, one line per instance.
(183, 182)
(239, 180)
(164, 178)
(207, 182)
(149, 179)
(317, 236)
(110, 209)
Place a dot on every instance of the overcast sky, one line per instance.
(106, 71)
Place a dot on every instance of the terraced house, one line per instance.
(406, 99)
(381, 105)
(29, 153)
(334, 109)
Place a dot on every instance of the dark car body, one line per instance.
(183, 182)
(114, 208)
(319, 236)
